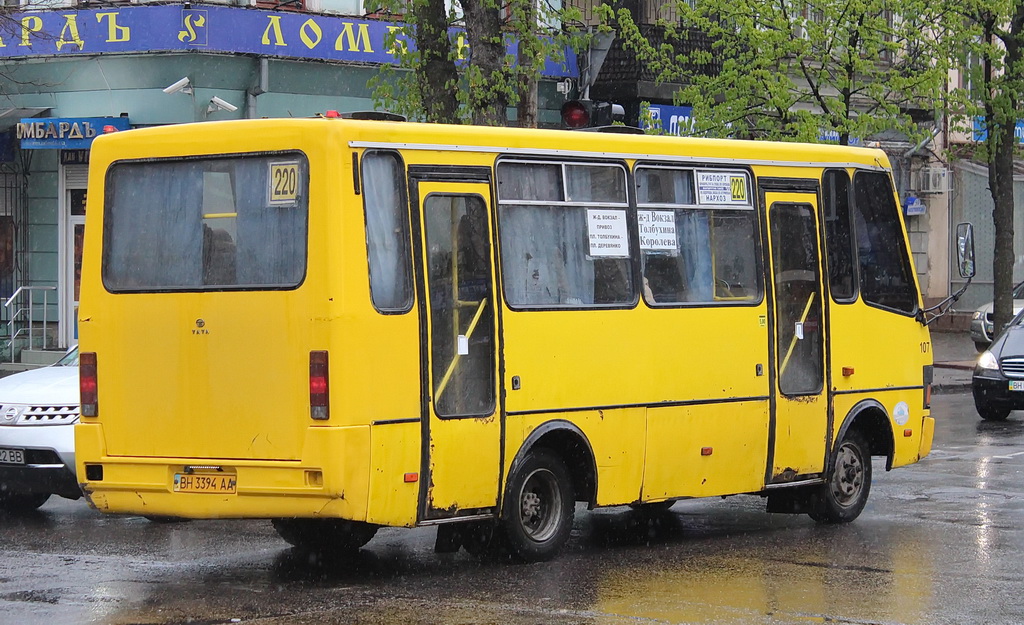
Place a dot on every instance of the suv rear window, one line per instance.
(222, 223)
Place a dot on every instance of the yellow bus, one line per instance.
(341, 324)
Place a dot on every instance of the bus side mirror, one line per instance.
(965, 249)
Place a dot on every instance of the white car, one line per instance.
(982, 332)
(38, 412)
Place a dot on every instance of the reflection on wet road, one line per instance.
(938, 543)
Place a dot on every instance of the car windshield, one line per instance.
(1018, 291)
(70, 359)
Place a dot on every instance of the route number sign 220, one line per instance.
(283, 183)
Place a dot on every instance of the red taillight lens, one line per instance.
(87, 386)
(318, 389)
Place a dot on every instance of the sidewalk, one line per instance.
(954, 355)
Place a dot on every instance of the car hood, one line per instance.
(48, 385)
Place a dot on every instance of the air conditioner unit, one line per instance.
(933, 180)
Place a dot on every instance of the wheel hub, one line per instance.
(849, 475)
(531, 506)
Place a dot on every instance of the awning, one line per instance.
(11, 116)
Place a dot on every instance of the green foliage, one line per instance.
(791, 70)
(980, 39)
(477, 82)
(985, 41)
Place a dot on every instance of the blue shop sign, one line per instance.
(67, 133)
(210, 28)
(673, 120)
(981, 133)
(831, 135)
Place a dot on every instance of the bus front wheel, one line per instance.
(539, 506)
(842, 498)
(325, 535)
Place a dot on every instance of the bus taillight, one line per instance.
(319, 409)
(87, 383)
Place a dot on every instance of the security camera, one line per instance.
(183, 85)
(218, 104)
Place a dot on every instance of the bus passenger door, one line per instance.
(800, 420)
(461, 458)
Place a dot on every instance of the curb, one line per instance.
(950, 388)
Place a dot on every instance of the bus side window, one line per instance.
(692, 254)
(549, 257)
(886, 278)
(839, 242)
(387, 240)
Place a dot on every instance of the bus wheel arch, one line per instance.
(871, 419)
(864, 433)
(569, 442)
(553, 469)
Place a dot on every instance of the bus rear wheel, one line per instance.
(842, 498)
(539, 507)
(325, 535)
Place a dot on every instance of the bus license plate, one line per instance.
(218, 483)
(12, 456)
(1017, 385)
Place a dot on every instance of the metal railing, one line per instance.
(14, 315)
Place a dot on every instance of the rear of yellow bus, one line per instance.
(209, 313)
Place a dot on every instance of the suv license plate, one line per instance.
(1017, 385)
(218, 483)
(12, 456)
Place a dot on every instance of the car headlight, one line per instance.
(977, 315)
(987, 360)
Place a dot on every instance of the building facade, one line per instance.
(71, 68)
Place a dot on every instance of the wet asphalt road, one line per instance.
(938, 543)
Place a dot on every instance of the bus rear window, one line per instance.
(235, 222)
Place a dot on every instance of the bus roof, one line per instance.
(211, 137)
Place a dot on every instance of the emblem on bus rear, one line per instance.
(200, 327)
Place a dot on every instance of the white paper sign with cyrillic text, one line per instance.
(609, 237)
(657, 231)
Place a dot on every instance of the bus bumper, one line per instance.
(927, 435)
(321, 484)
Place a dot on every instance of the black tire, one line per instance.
(981, 346)
(17, 503)
(991, 413)
(845, 493)
(539, 507)
(325, 535)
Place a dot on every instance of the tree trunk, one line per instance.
(489, 96)
(1000, 176)
(527, 107)
(529, 55)
(438, 81)
(1002, 143)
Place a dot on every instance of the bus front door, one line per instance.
(462, 426)
(798, 438)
